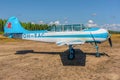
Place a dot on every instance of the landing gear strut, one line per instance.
(71, 54)
(96, 46)
(97, 53)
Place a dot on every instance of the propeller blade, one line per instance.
(110, 42)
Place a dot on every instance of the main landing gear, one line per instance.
(71, 54)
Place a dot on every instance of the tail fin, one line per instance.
(13, 26)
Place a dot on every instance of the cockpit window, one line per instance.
(52, 28)
(64, 28)
(76, 28)
(58, 29)
(67, 28)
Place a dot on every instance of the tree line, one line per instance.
(26, 25)
(2, 23)
(30, 26)
(114, 32)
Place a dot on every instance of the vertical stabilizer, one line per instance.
(13, 26)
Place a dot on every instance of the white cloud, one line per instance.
(114, 27)
(57, 22)
(41, 22)
(32, 23)
(51, 23)
(94, 14)
(91, 23)
(66, 22)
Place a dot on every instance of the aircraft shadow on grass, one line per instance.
(80, 56)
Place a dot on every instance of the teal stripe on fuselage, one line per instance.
(102, 35)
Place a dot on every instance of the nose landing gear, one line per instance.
(97, 53)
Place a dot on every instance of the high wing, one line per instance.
(72, 42)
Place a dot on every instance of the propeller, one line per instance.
(110, 41)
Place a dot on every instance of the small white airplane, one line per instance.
(61, 35)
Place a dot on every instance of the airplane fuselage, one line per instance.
(98, 35)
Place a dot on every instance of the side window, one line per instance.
(52, 29)
(76, 28)
(67, 28)
(83, 27)
(58, 29)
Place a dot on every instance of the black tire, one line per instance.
(98, 55)
(71, 56)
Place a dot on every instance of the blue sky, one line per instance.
(73, 11)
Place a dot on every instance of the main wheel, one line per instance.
(71, 54)
(98, 55)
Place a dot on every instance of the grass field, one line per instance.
(30, 60)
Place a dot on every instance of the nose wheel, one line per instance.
(71, 54)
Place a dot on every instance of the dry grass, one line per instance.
(29, 60)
